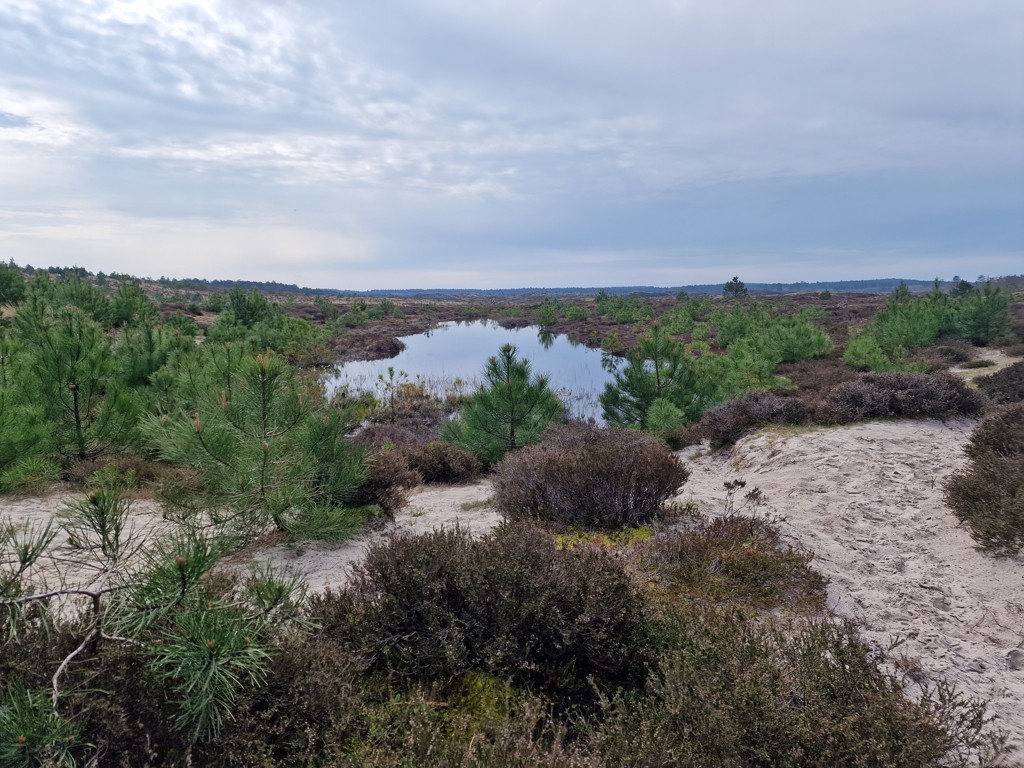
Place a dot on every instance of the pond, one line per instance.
(449, 360)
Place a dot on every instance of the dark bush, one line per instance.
(989, 494)
(744, 693)
(510, 604)
(726, 423)
(882, 395)
(314, 704)
(388, 476)
(585, 475)
(735, 559)
(440, 462)
(1005, 386)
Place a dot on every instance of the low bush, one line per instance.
(735, 559)
(440, 462)
(989, 494)
(883, 395)
(388, 476)
(1005, 386)
(437, 606)
(726, 423)
(589, 476)
(742, 693)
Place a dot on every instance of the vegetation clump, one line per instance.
(583, 475)
(1005, 386)
(726, 423)
(509, 410)
(438, 606)
(885, 395)
(989, 494)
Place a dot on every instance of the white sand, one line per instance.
(867, 500)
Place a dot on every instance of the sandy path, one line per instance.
(867, 500)
(326, 566)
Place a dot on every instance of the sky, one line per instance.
(534, 143)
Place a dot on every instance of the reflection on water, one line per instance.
(450, 358)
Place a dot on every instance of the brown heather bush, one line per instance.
(589, 476)
(737, 692)
(1005, 386)
(989, 494)
(726, 423)
(883, 395)
(388, 476)
(441, 462)
(735, 559)
(510, 604)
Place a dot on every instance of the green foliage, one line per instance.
(129, 305)
(547, 313)
(774, 337)
(24, 437)
(735, 289)
(262, 453)
(622, 309)
(582, 475)
(663, 417)
(659, 368)
(32, 735)
(576, 312)
(509, 410)
(12, 285)
(209, 657)
(985, 314)
(250, 307)
(906, 323)
(70, 370)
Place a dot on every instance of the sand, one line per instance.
(867, 501)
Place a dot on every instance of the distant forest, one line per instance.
(880, 285)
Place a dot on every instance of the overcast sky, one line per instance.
(481, 143)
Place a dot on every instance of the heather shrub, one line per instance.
(882, 395)
(735, 558)
(585, 475)
(725, 424)
(440, 462)
(437, 606)
(989, 494)
(1005, 386)
(388, 476)
(743, 693)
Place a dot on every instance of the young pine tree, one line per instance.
(509, 411)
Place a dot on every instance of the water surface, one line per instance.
(450, 359)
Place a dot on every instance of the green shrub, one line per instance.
(509, 410)
(510, 604)
(885, 395)
(584, 475)
(1005, 386)
(985, 314)
(989, 494)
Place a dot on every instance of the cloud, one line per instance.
(459, 134)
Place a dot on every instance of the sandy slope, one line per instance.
(867, 500)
